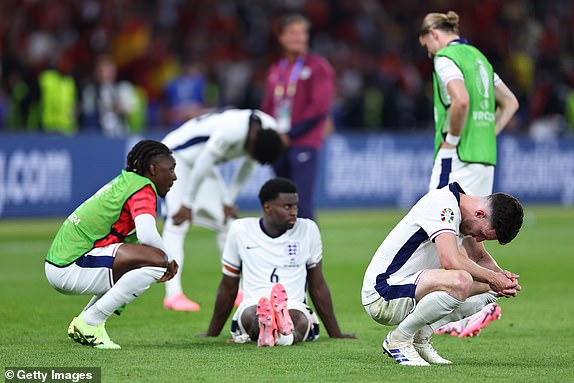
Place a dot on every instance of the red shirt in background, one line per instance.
(311, 102)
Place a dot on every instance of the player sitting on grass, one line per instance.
(276, 256)
(404, 284)
(90, 254)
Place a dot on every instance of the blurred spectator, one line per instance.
(185, 94)
(299, 91)
(384, 80)
(107, 102)
(22, 95)
(58, 95)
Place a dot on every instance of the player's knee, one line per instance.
(155, 257)
(301, 324)
(462, 283)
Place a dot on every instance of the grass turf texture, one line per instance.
(532, 342)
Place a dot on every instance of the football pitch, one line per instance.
(532, 343)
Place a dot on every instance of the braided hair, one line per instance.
(141, 155)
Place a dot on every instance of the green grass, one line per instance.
(532, 343)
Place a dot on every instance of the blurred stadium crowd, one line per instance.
(173, 59)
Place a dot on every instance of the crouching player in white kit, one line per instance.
(404, 284)
(276, 256)
(94, 252)
(199, 146)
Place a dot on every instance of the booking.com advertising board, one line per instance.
(52, 175)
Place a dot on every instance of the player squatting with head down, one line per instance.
(423, 276)
(472, 106)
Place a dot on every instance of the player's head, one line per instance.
(263, 144)
(279, 200)
(498, 216)
(152, 159)
(506, 216)
(437, 29)
(294, 33)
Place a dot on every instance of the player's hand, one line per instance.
(172, 269)
(510, 274)
(501, 283)
(182, 215)
(347, 336)
(230, 211)
(446, 145)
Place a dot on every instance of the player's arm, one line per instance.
(478, 253)
(226, 293)
(459, 105)
(142, 206)
(506, 106)
(452, 259)
(239, 180)
(321, 297)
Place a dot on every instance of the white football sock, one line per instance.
(428, 310)
(126, 289)
(173, 241)
(423, 334)
(91, 302)
(285, 340)
(467, 308)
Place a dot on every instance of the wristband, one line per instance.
(452, 140)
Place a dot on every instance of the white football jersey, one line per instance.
(410, 247)
(222, 133)
(263, 261)
(203, 143)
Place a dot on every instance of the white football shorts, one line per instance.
(91, 274)
(475, 179)
(390, 313)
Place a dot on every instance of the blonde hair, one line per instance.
(446, 22)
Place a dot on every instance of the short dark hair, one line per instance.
(267, 146)
(506, 216)
(141, 155)
(293, 18)
(275, 186)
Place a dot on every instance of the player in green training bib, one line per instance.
(472, 106)
(109, 247)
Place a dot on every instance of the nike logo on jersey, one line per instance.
(248, 247)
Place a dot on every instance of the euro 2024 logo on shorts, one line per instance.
(447, 215)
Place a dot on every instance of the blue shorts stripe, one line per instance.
(446, 169)
(89, 261)
(400, 291)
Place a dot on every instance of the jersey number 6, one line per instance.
(274, 278)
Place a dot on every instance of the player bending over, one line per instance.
(276, 256)
(95, 250)
(404, 284)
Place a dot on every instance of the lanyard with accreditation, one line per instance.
(285, 91)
